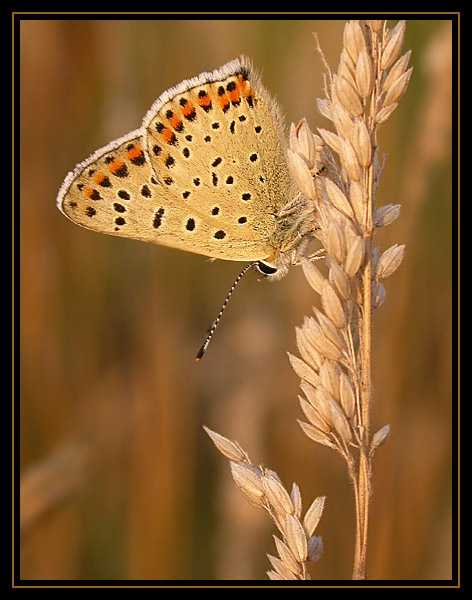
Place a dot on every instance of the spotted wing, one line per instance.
(206, 173)
(215, 144)
(115, 192)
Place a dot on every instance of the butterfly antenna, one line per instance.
(214, 325)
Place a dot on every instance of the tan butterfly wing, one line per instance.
(206, 173)
(114, 191)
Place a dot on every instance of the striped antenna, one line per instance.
(214, 325)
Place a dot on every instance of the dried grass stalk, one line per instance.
(262, 487)
(335, 346)
(338, 172)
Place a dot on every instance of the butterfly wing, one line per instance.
(114, 191)
(206, 173)
(215, 143)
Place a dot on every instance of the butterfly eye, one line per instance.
(265, 268)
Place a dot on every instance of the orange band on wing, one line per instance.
(115, 165)
(175, 121)
(99, 177)
(87, 190)
(134, 151)
(223, 101)
(167, 134)
(204, 100)
(234, 94)
(187, 109)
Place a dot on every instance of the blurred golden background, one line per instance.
(118, 478)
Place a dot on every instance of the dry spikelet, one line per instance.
(317, 435)
(296, 498)
(396, 71)
(314, 416)
(230, 449)
(303, 370)
(296, 538)
(263, 488)
(338, 279)
(364, 74)
(378, 295)
(315, 548)
(313, 275)
(393, 45)
(387, 214)
(379, 437)
(313, 515)
(287, 557)
(338, 199)
(248, 480)
(397, 89)
(390, 261)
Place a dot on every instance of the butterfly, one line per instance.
(206, 173)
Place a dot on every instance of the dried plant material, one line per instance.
(387, 214)
(340, 422)
(361, 143)
(301, 174)
(378, 295)
(390, 261)
(347, 95)
(331, 139)
(385, 113)
(349, 160)
(230, 449)
(302, 141)
(296, 498)
(354, 40)
(314, 416)
(309, 354)
(296, 538)
(375, 25)
(263, 488)
(313, 275)
(314, 548)
(281, 570)
(277, 495)
(379, 438)
(339, 280)
(355, 257)
(330, 330)
(287, 557)
(248, 480)
(397, 89)
(337, 197)
(347, 396)
(317, 435)
(338, 173)
(370, 80)
(317, 340)
(303, 370)
(335, 241)
(396, 71)
(332, 305)
(356, 198)
(324, 108)
(273, 575)
(393, 45)
(319, 398)
(330, 374)
(364, 74)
